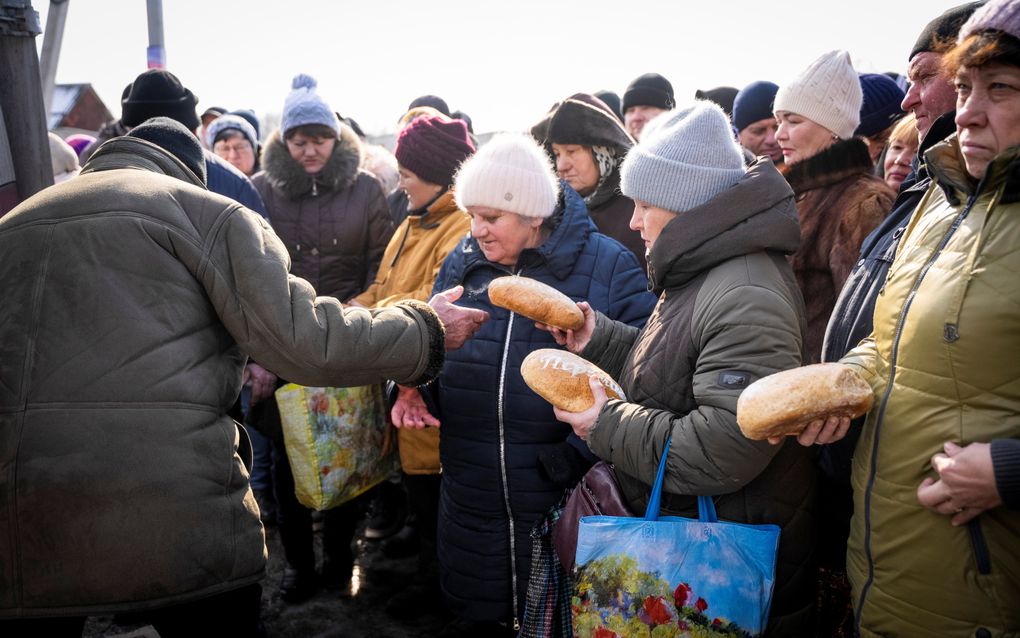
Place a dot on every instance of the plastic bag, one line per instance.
(670, 576)
(338, 440)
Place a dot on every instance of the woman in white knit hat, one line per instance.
(505, 457)
(838, 199)
(729, 313)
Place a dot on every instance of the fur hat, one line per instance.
(249, 117)
(234, 123)
(510, 173)
(304, 106)
(997, 15)
(585, 119)
(650, 89)
(943, 28)
(158, 93)
(688, 157)
(170, 135)
(828, 93)
(753, 103)
(433, 148)
(881, 104)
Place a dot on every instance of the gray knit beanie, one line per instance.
(687, 157)
(828, 93)
(305, 106)
(997, 15)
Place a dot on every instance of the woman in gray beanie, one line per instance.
(729, 313)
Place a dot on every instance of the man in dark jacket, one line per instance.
(932, 99)
(131, 293)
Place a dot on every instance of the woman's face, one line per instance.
(503, 235)
(987, 113)
(898, 157)
(311, 152)
(419, 192)
(237, 150)
(575, 164)
(800, 138)
(649, 221)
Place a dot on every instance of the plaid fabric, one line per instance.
(547, 609)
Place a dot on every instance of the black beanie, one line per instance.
(612, 100)
(721, 95)
(171, 136)
(651, 89)
(434, 101)
(158, 93)
(943, 29)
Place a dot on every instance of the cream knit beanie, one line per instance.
(828, 93)
(685, 158)
(510, 173)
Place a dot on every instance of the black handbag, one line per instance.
(597, 493)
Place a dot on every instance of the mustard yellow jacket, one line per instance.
(943, 362)
(408, 270)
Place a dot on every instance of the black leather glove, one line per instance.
(563, 464)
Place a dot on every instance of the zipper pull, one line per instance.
(517, 624)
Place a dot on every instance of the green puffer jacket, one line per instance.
(729, 313)
(131, 295)
(943, 363)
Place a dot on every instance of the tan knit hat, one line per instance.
(828, 93)
(510, 173)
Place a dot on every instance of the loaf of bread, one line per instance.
(786, 402)
(561, 378)
(536, 301)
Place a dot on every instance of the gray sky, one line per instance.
(504, 63)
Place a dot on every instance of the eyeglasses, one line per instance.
(240, 148)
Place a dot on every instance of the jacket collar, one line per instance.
(947, 168)
(559, 252)
(843, 159)
(441, 207)
(289, 177)
(134, 152)
(758, 213)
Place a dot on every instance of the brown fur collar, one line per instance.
(289, 177)
(843, 159)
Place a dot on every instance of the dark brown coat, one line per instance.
(336, 224)
(839, 203)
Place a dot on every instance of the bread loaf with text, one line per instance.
(561, 378)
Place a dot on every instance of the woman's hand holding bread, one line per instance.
(573, 340)
(583, 422)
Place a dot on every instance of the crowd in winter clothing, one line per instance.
(186, 266)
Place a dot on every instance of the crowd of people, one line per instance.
(185, 266)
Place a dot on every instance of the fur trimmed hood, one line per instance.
(843, 159)
(288, 177)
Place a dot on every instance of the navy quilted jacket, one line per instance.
(493, 424)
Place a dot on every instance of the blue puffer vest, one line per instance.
(494, 426)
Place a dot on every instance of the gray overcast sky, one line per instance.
(504, 63)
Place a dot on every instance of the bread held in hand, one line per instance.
(536, 300)
(786, 402)
(561, 378)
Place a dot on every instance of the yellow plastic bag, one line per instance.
(339, 442)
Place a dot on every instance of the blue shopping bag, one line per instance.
(672, 576)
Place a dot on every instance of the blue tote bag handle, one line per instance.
(706, 508)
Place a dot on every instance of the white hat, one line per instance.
(685, 158)
(510, 173)
(828, 93)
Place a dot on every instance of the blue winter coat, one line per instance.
(494, 426)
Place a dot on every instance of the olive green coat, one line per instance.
(131, 296)
(943, 362)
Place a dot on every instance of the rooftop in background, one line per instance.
(77, 106)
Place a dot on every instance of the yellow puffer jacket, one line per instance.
(944, 366)
(408, 270)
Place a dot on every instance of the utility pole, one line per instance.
(156, 53)
(52, 39)
(21, 102)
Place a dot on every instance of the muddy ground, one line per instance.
(329, 614)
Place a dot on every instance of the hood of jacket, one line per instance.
(571, 227)
(843, 159)
(289, 178)
(758, 213)
(136, 153)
